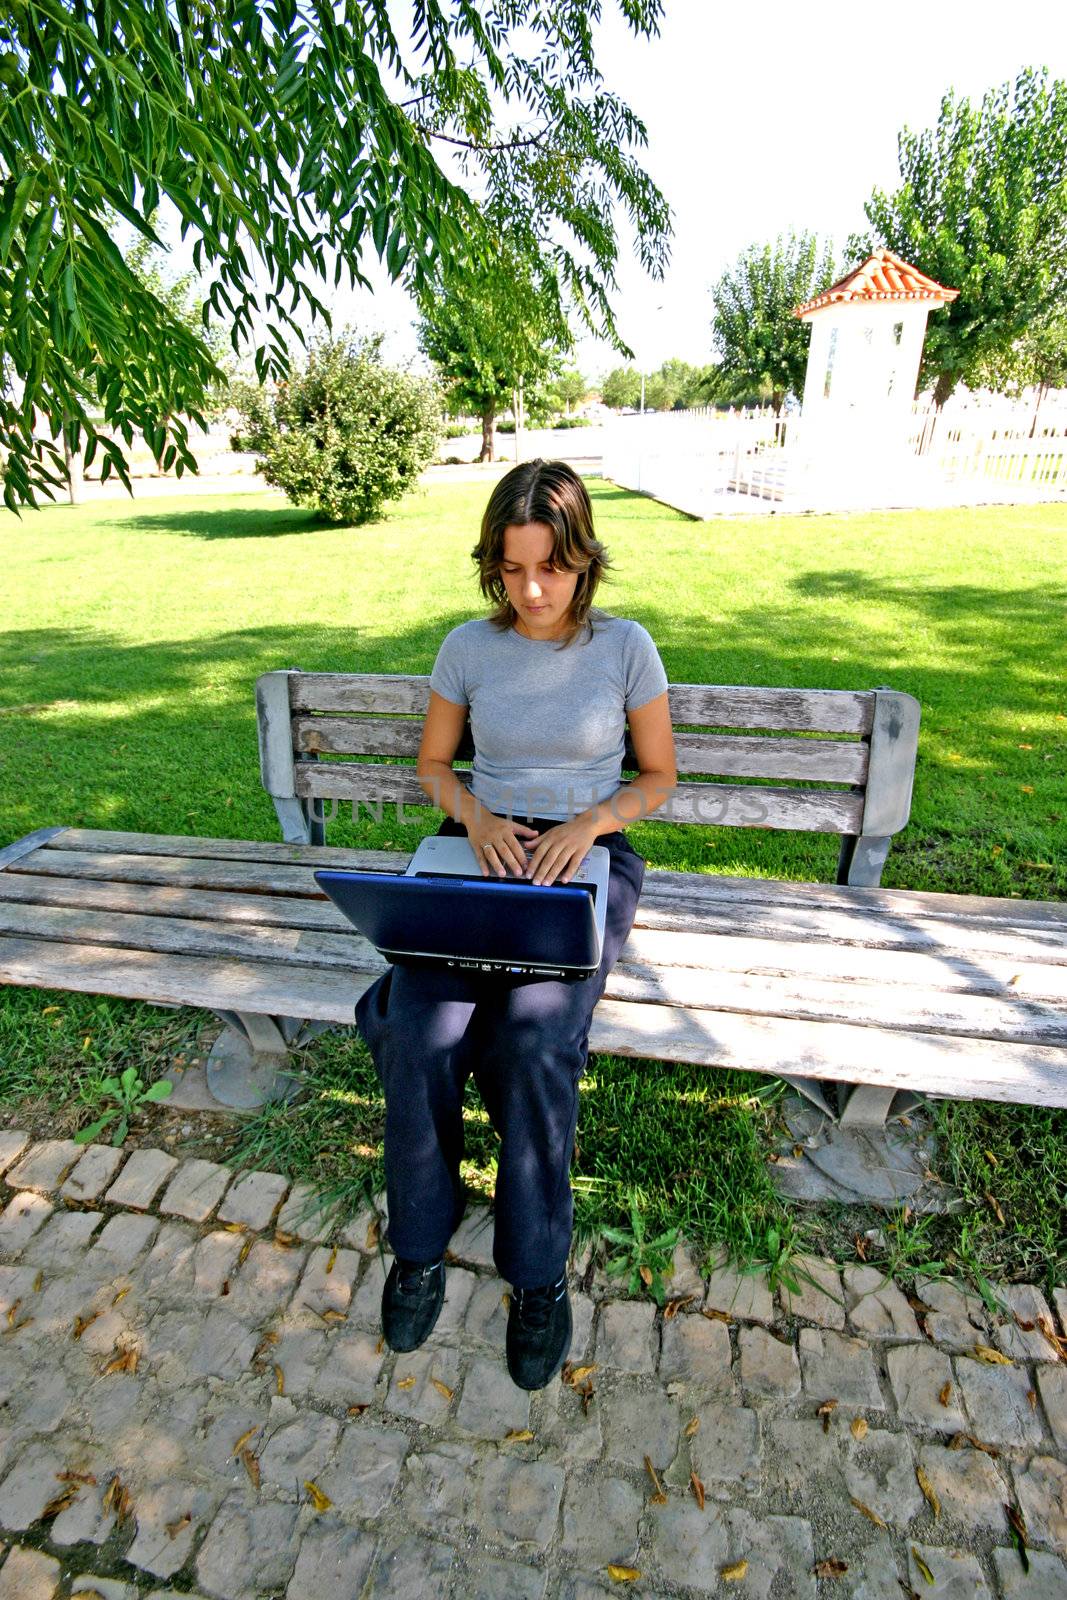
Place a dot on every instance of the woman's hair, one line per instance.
(550, 492)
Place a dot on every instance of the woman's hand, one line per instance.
(559, 850)
(497, 845)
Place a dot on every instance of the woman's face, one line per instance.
(540, 593)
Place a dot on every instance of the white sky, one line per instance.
(761, 117)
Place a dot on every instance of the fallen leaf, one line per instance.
(921, 1564)
(996, 1206)
(858, 1427)
(122, 1294)
(37, 1282)
(1052, 1338)
(174, 1528)
(659, 1498)
(691, 1427)
(645, 1274)
(12, 1311)
(1018, 1524)
(958, 1441)
(279, 1380)
(251, 1466)
(824, 1412)
(245, 1248)
(518, 1436)
(69, 1476)
(243, 1440)
(285, 1240)
(929, 1491)
(320, 1501)
(623, 1574)
(672, 1308)
(698, 1489)
(992, 1357)
(332, 1315)
(832, 1567)
(81, 1323)
(735, 1573)
(406, 1383)
(373, 1231)
(716, 1316)
(1027, 788)
(330, 1263)
(233, 1227)
(60, 1503)
(356, 1411)
(578, 1375)
(945, 1393)
(861, 1246)
(380, 1346)
(867, 1512)
(442, 1388)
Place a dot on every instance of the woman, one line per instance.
(549, 683)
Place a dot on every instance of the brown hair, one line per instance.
(550, 492)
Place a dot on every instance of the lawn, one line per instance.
(133, 636)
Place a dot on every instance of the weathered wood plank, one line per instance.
(694, 704)
(1030, 1074)
(102, 841)
(815, 810)
(714, 754)
(26, 845)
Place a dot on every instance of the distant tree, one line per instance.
(1036, 361)
(490, 333)
(572, 388)
(621, 388)
(982, 207)
(761, 344)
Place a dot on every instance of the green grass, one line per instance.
(133, 636)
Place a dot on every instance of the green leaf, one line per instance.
(16, 199)
(158, 1090)
(85, 1134)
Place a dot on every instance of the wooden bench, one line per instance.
(863, 999)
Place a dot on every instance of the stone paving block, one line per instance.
(94, 1171)
(141, 1179)
(696, 1350)
(365, 1308)
(44, 1165)
(516, 1501)
(31, 1484)
(769, 1366)
(422, 1400)
(472, 1241)
(579, 1586)
(16, 1284)
(692, 1546)
(565, 1429)
(1051, 1386)
(917, 1375)
(253, 1198)
(726, 1445)
(265, 1280)
(486, 1317)
(823, 1301)
(250, 1547)
(213, 1344)
(491, 1405)
(639, 1422)
(43, 1400)
(333, 1562)
(997, 1403)
(214, 1263)
(13, 1144)
(1046, 1580)
(956, 1574)
(684, 1279)
(601, 1516)
(435, 1487)
(298, 1449)
(361, 1232)
(957, 1317)
(1028, 1304)
(85, 1520)
(365, 1468)
(582, 1311)
(459, 1287)
(327, 1282)
(223, 1426)
(876, 1306)
(195, 1190)
(971, 1489)
(414, 1569)
(63, 1240)
(879, 1471)
(799, 1458)
(745, 1296)
(303, 1215)
(347, 1374)
(20, 1219)
(29, 1575)
(505, 1580)
(835, 1366)
(1042, 1491)
(1059, 1300)
(87, 1586)
(296, 1355)
(626, 1336)
(169, 1518)
(121, 1242)
(173, 1594)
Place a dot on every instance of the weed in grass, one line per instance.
(130, 1092)
(645, 1260)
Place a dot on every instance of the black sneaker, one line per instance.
(411, 1302)
(539, 1333)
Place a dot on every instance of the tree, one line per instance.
(982, 207)
(490, 333)
(270, 129)
(761, 344)
(346, 434)
(621, 388)
(571, 387)
(1036, 361)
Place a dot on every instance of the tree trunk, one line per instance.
(946, 382)
(488, 419)
(73, 460)
(1042, 391)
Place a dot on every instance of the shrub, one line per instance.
(346, 434)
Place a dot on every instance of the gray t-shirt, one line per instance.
(548, 723)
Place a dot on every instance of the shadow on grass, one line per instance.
(249, 522)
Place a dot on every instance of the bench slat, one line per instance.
(867, 1005)
(814, 810)
(713, 754)
(1034, 942)
(694, 704)
(1031, 1074)
(713, 886)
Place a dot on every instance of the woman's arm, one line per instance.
(562, 849)
(496, 841)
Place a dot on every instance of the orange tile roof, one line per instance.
(882, 276)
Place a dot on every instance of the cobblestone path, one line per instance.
(194, 1400)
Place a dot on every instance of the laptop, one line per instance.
(443, 912)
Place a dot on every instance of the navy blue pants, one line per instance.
(526, 1042)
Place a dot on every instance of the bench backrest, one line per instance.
(316, 730)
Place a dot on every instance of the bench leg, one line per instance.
(857, 1153)
(249, 1062)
